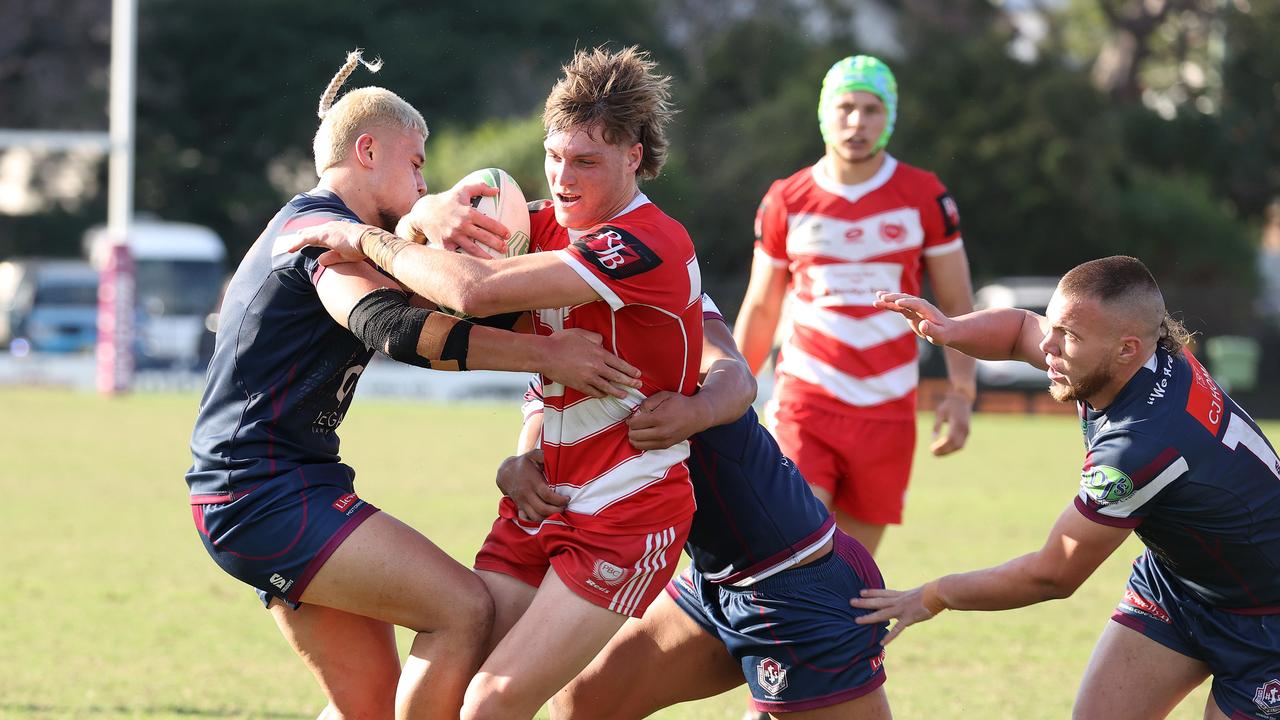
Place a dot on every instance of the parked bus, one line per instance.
(178, 269)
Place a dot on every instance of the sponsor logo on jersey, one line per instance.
(1135, 602)
(772, 676)
(853, 234)
(950, 213)
(280, 583)
(1204, 400)
(1162, 383)
(1106, 484)
(343, 503)
(1267, 697)
(877, 662)
(617, 253)
(608, 573)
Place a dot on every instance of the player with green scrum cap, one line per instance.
(832, 234)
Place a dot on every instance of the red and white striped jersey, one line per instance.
(841, 244)
(642, 264)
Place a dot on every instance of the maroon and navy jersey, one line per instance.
(283, 370)
(756, 514)
(1177, 460)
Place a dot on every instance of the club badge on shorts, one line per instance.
(1267, 697)
(608, 572)
(772, 676)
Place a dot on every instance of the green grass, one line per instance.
(109, 606)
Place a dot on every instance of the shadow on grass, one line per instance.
(20, 709)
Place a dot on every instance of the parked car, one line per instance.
(1026, 292)
(49, 305)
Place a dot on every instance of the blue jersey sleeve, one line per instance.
(1123, 477)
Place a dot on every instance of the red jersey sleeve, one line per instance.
(771, 225)
(940, 216)
(630, 265)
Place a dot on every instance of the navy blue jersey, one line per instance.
(756, 515)
(1177, 460)
(283, 370)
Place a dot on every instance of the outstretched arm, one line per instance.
(996, 334)
(471, 285)
(374, 309)
(1075, 548)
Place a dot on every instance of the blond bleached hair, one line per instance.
(619, 93)
(358, 112)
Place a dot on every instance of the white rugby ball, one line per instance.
(507, 207)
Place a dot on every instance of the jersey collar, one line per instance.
(636, 202)
(857, 191)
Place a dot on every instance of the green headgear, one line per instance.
(865, 73)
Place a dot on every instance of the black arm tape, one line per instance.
(505, 321)
(457, 344)
(385, 321)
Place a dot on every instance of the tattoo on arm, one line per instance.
(382, 247)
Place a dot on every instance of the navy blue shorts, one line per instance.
(277, 535)
(794, 632)
(1241, 650)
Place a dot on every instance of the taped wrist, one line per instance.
(385, 321)
(381, 246)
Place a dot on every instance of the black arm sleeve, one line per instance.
(385, 320)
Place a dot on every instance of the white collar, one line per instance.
(857, 191)
(637, 201)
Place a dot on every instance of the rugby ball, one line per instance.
(507, 207)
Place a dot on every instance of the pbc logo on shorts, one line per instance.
(345, 502)
(617, 253)
(608, 573)
(772, 676)
(1267, 697)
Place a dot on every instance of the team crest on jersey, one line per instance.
(893, 232)
(608, 572)
(950, 213)
(772, 676)
(617, 253)
(1267, 697)
(1106, 485)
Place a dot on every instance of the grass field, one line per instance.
(109, 606)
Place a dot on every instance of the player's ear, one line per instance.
(635, 154)
(1131, 349)
(364, 150)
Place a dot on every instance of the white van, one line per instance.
(179, 269)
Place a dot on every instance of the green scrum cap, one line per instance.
(865, 73)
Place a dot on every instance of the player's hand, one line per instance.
(521, 478)
(906, 606)
(951, 423)
(664, 419)
(342, 239)
(578, 359)
(926, 320)
(447, 219)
